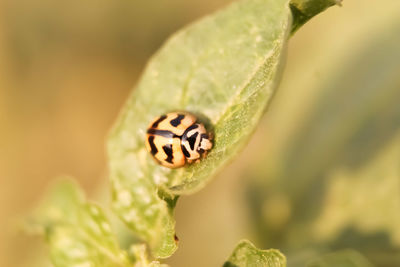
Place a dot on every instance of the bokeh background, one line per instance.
(320, 180)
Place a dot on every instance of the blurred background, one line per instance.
(320, 180)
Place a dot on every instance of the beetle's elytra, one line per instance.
(177, 138)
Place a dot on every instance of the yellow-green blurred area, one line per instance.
(320, 177)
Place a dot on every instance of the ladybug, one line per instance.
(177, 138)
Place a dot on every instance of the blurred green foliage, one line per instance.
(77, 232)
(334, 181)
(345, 258)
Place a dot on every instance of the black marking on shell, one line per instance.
(168, 151)
(186, 138)
(153, 147)
(204, 136)
(201, 151)
(185, 152)
(155, 124)
(175, 122)
(194, 126)
(192, 140)
(163, 133)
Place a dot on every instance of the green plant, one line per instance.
(225, 69)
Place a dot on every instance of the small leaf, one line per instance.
(225, 69)
(77, 232)
(247, 255)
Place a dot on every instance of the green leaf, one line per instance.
(247, 255)
(77, 232)
(224, 68)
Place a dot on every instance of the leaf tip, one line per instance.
(338, 2)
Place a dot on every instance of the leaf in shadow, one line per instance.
(345, 258)
(376, 246)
